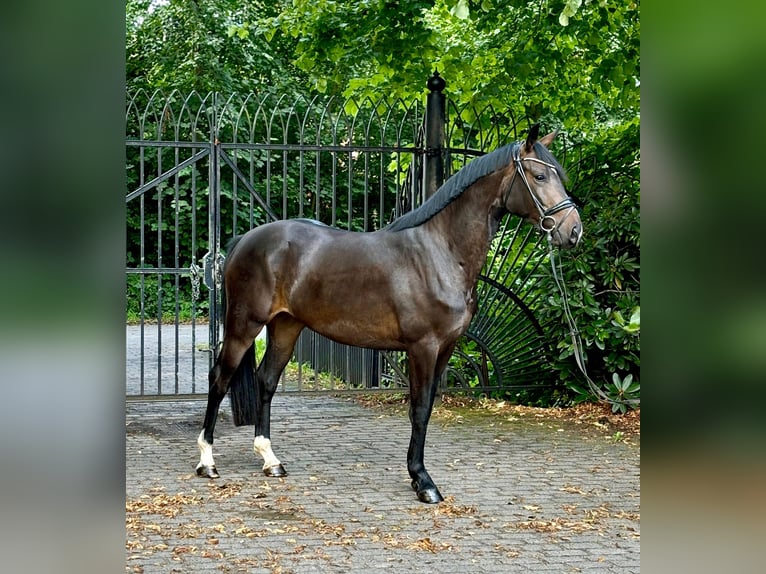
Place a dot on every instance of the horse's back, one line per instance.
(311, 242)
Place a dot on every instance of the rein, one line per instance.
(575, 333)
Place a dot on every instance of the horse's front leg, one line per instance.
(423, 384)
(283, 331)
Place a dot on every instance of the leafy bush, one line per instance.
(602, 274)
(622, 392)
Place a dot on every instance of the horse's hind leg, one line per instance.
(283, 331)
(219, 377)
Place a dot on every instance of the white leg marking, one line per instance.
(206, 451)
(262, 446)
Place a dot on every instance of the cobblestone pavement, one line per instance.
(522, 495)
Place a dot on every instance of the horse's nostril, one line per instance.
(574, 237)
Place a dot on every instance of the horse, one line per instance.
(410, 286)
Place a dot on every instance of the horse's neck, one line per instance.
(469, 223)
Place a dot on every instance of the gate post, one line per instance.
(435, 120)
(213, 259)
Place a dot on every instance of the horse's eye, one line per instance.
(540, 177)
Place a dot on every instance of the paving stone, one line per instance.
(538, 500)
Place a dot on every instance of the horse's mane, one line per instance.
(454, 187)
(465, 178)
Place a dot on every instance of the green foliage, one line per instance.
(633, 326)
(622, 391)
(466, 366)
(150, 300)
(344, 46)
(579, 74)
(260, 350)
(602, 274)
(212, 45)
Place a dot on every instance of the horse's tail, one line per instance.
(242, 391)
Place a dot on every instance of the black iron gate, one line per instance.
(202, 169)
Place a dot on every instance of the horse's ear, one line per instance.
(534, 131)
(548, 140)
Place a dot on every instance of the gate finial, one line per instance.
(436, 83)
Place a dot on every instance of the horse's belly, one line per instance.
(379, 326)
(360, 331)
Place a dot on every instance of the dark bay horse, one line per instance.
(410, 286)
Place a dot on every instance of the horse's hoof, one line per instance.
(275, 471)
(207, 471)
(430, 496)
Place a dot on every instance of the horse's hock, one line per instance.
(203, 168)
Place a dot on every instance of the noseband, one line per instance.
(545, 214)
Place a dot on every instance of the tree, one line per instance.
(580, 71)
(210, 45)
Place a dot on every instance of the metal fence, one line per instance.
(204, 168)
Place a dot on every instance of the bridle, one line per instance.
(545, 213)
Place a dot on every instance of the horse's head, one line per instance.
(536, 190)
